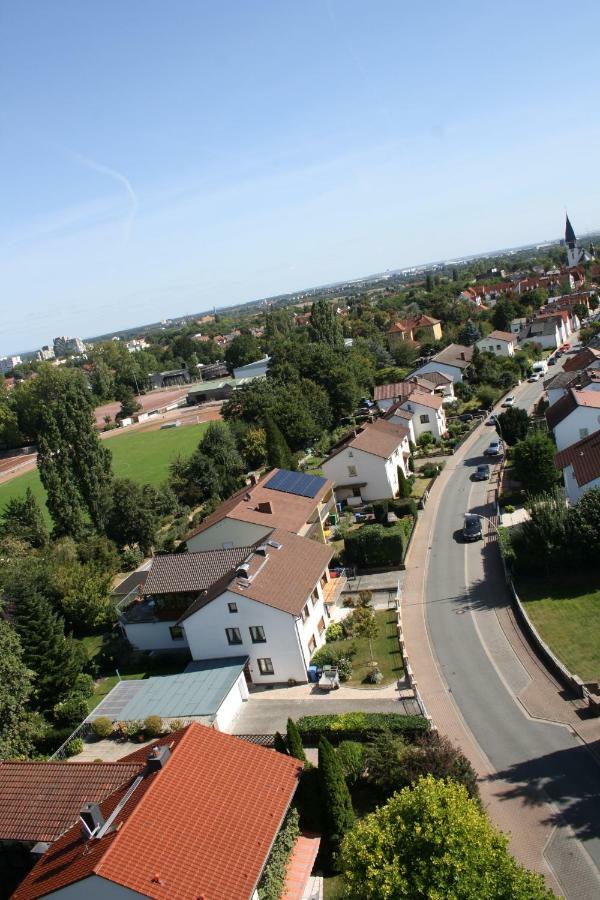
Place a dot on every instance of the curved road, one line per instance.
(544, 761)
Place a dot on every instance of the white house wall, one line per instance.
(453, 372)
(228, 533)
(569, 431)
(232, 704)
(378, 476)
(497, 347)
(153, 636)
(437, 419)
(405, 423)
(573, 491)
(286, 641)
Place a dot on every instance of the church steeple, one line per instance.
(569, 235)
(575, 254)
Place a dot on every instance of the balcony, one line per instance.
(135, 609)
(333, 588)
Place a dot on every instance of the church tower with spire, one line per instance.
(575, 254)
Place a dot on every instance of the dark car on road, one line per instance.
(472, 528)
(482, 472)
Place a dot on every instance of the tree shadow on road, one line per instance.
(570, 777)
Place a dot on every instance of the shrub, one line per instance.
(359, 725)
(294, 741)
(70, 711)
(84, 685)
(176, 725)
(434, 754)
(380, 511)
(431, 470)
(132, 729)
(279, 743)
(74, 747)
(334, 632)
(404, 507)
(153, 726)
(271, 883)
(375, 676)
(351, 755)
(102, 727)
(308, 800)
(329, 655)
(337, 803)
(375, 545)
(131, 558)
(509, 508)
(50, 739)
(425, 439)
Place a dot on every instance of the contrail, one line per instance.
(116, 176)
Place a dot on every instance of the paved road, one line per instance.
(544, 761)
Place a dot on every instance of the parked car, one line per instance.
(466, 417)
(558, 354)
(482, 472)
(535, 376)
(472, 528)
(495, 449)
(492, 421)
(552, 361)
(565, 347)
(510, 401)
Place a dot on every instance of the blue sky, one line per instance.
(161, 158)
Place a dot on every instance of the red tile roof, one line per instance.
(571, 400)
(400, 390)
(202, 826)
(585, 357)
(379, 438)
(40, 800)
(507, 336)
(431, 401)
(413, 324)
(188, 573)
(453, 355)
(261, 505)
(584, 456)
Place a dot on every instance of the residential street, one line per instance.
(545, 779)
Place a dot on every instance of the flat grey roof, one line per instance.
(199, 691)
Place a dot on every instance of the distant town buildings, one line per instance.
(45, 353)
(137, 344)
(7, 363)
(65, 346)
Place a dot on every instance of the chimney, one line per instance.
(91, 819)
(462, 355)
(264, 507)
(158, 758)
(261, 550)
(253, 479)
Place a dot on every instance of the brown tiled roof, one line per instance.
(396, 410)
(379, 438)
(284, 578)
(261, 505)
(432, 401)
(201, 826)
(437, 378)
(503, 336)
(579, 378)
(584, 456)
(184, 573)
(585, 357)
(571, 400)
(39, 801)
(401, 389)
(413, 324)
(454, 355)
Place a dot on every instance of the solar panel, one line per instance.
(296, 483)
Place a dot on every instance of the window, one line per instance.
(305, 613)
(233, 635)
(265, 666)
(356, 492)
(257, 633)
(232, 607)
(176, 632)
(312, 645)
(315, 597)
(321, 626)
(352, 470)
(351, 453)
(498, 347)
(583, 432)
(424, 418)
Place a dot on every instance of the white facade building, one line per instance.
(452, 361)
(8, 363)
(500, 343)
(428, 416)
(574, 417)
(365, 466)
(580, 464)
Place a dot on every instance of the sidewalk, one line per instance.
(525, 823)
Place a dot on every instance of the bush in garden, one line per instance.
(294, 741)
(425, 439)
(375, 676)
(334, 632)
(132, 729)
(360, 726)
(434, 754)
(329, 655)
(404, 507)
(70, 711)
(102, 727)
(131, 558)
(270, 886)
(153, 726)
(279, 743)
(84, 685)
(176, 725)
(351, 755)
(404, 485)
(74, 747)
(375, 545)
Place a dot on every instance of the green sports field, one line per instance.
(143, 457)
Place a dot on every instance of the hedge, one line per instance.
(359, 726)
(375, 545)
(273, 877)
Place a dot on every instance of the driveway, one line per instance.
(259, 716)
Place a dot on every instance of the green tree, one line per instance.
(129, 402)
(218, 445)
(434, 754)
(405, 355)
(429, 282)
(384, 762)
(242, 350)
(17, 724)
(253, 447)
(102, 382)
(580, 310)
(513, 425)
(325, 327)
(279, 454)
(132, 518)
(46, 651)
(503, 313)
(337, 804)
(468, 334)
(433, 840)
(194, 480)
(583, 528)
(404, 488)
(279, 743)
(23, 519)
(533, 460)
(294, 741)
(74, 466)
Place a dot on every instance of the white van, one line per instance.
(541, 367)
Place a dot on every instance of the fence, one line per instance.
(407, 667)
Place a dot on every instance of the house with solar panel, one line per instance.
(268, 602)
(292, 501)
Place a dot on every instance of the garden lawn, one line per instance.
(566, 612)
(386, 652)
(419, 487)
(144, 457)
